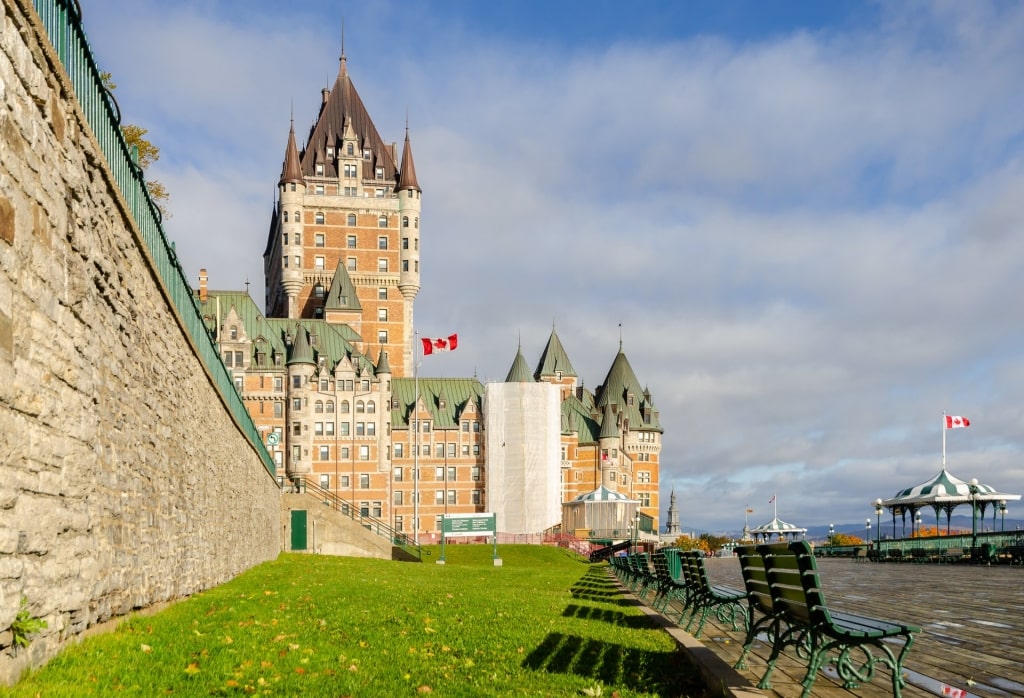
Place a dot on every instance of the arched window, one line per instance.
(351, 219)
(371, 407)
(382, 222)
(405, 220)
(234, 332)
(285, 216)
(318, 218)
(330, 406)
(318, 407)
(417, 222)
(343, 407)
(360, 407)
(295, 217)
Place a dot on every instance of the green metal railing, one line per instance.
(63, 22)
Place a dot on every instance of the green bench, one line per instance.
(704, 597)
(797, 615)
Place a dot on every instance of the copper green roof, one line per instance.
(578, 418)
(621, 388)
(342, 295)
(382, 363)
(269, 335)
(445, 398)
(608, 427)
(520, 371)
(300, 352)
(554, 360)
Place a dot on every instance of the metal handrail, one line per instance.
(370, 523)
(63, 22)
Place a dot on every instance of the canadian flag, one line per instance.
(772, 499)
(441, 344)
(955, 422)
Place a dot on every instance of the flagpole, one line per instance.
(775, 501)
(943, 439)
(416, 445)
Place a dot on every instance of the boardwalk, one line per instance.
(972, 616)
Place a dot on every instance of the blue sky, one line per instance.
(806, 215)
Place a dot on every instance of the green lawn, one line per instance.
(542, 624)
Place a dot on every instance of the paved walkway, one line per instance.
(972, 644)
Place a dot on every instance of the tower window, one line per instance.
(382, 336)
(351, 220)
(382, 265)
(318, 291)
(382, 314)
(286, 238)
(285, 216)
(416, 223)
(405, 220)
(350, 149)
(382, 243)
(318, 262)
(351, 263)
(319, 218)
(350, 242)
(382, 222)
(382, 293)
(319, 240)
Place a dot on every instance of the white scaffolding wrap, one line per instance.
(523, 456)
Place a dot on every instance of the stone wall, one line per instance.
(124, 481)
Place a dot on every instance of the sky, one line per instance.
(805, 217)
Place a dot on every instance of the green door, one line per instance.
(299, 529)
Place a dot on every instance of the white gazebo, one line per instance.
(603, 514)
(776, 528)
(944, 493)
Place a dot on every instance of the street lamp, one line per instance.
(918, 520)
(1002, 510)
(973, 487)
(878, 527)
(831, 533)
(867, 532)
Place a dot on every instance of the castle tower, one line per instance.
(344, 204)
(301, 367)
(672, 527)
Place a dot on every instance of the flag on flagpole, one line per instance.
(448, 343)
(772, 499)
(957, 422)
(750, 511)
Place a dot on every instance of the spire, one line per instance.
(554, 360)
(520, 372)
(382, 363)
(407, 174)
(609, 429)
(301, 352)
(291, 172)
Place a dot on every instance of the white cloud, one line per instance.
(811, 240)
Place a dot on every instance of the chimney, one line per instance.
(324, 94)
(202, 285)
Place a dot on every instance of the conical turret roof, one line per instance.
(554, 360)
(300, 352)
(520, 371)
(407, 175)
(291, 172)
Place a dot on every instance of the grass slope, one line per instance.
(542, 624)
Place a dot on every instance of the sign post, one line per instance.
(469, 526)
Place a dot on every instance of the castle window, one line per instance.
(351, 220)
(382, 243)
(298, 238)
(382, 265)
(319, 218)
(330, 407)
(297, 428)
(382, 337)
(416, 264)
(318, 312)
(318, 262)
(318, 407)
(319, 190)
(382, 222)
(285, 237)
(379, 193)
(371, 428)
(405, 243)
(318, 429)
(318, 291)
(366, 153)
(298, 262)
(278, 409)
(350, 170)
(293, 186)
(330, 151)
(329, 428)
(234, 332)
(278, 382)
(405, 264)
(379, 172)
(350, 149)
(286, 261)
(371, 407)
(350, 242)
(405, 221)
(364, 385)
(417, 222)
(351, 191)
(382, 314)
(319, 240)
(227, 359)
(320, 170)
(382, 293)
(285, 216)
(351, 263)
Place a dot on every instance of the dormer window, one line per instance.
(320, 170)
(366, 154)
(350, 149)
(330, 151)
(379, 173)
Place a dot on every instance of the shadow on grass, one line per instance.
(661, 673)
(607, 615)
(595, 585)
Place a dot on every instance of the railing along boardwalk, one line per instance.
(972, 618)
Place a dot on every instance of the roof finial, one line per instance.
(341, 67)
(620, 336)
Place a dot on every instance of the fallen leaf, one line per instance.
(424, 689)
(192, 669)
(146, 648)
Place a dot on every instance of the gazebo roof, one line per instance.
(603, 494)
(777, 525)
(945, 488)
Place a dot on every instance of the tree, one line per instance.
(135, 137)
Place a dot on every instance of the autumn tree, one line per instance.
(135, 137)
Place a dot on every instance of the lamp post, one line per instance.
(918, 521)
(867, 532)
(878, 527)
(1002, 510)
(972, 486)
(831, 533)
